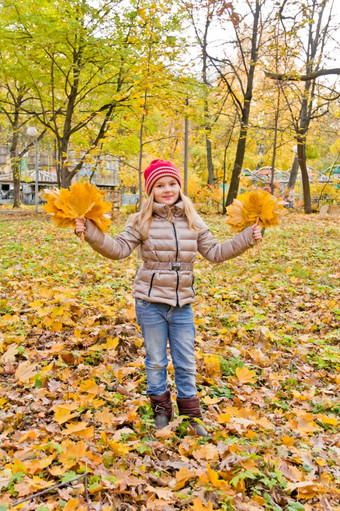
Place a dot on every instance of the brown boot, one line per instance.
(191, 408)
(162, 409)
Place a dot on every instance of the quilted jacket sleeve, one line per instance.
(217, 252)
(113, 248)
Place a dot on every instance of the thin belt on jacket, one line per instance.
(176, 265)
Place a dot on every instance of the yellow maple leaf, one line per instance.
(79, 429)
(213, 477)
(104, 417)
(245, 375)
(64, 413)
(212, 364)
(199, 506)
(90, 386)
(327, 420)
(254, 206)
(182, 476)
(303, 425)
(38, 465)
(82, 200)
(73, 505)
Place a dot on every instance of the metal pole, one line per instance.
(36, 174)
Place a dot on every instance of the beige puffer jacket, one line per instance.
(168, 253)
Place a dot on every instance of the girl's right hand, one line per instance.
(80, 225)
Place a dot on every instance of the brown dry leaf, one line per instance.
(23, 488)
(105, 416)
(10, 353)
(303, 424)
(169, 430)
(25, 371)
(265, 423)
(207, 452)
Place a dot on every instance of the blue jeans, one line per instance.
(160, 322)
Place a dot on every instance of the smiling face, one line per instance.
(166, 190)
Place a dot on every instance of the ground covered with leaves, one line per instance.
(76, 430)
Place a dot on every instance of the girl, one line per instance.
(169, 232)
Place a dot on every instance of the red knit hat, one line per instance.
(157, 169)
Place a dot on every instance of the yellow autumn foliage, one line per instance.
(254, 206)
(82, 200)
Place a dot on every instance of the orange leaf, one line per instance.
(288, 441)
(38, 465)
(199, 506)
(303, 424)
(90, 386)
(82, 200)
(63, 413)
(213, 477)
(79, 429)
(254, 206)
(245, 375)
(182, 476)
(72, 452)
(72, 505)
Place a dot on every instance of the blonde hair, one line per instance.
(143, 219)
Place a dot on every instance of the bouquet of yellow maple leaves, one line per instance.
(82, 200)
(256, 206)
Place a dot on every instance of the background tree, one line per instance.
(310, 31)
(248, 30)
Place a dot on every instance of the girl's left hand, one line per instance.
(257, 234)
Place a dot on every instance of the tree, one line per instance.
(248, 30)
(202, 36)
(15, 93)
(80, 69)
(309, 34)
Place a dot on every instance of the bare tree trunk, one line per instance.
(294, 172)
(15, 167)
(276, 122)
(241, 144)
(307, 201)
(241, 147)
(211, 175)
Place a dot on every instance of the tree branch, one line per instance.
(302, 78)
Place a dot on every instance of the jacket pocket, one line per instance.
(151, 282)
(192, 285)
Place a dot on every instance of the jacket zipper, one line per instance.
(177, 285)
(153, 276)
